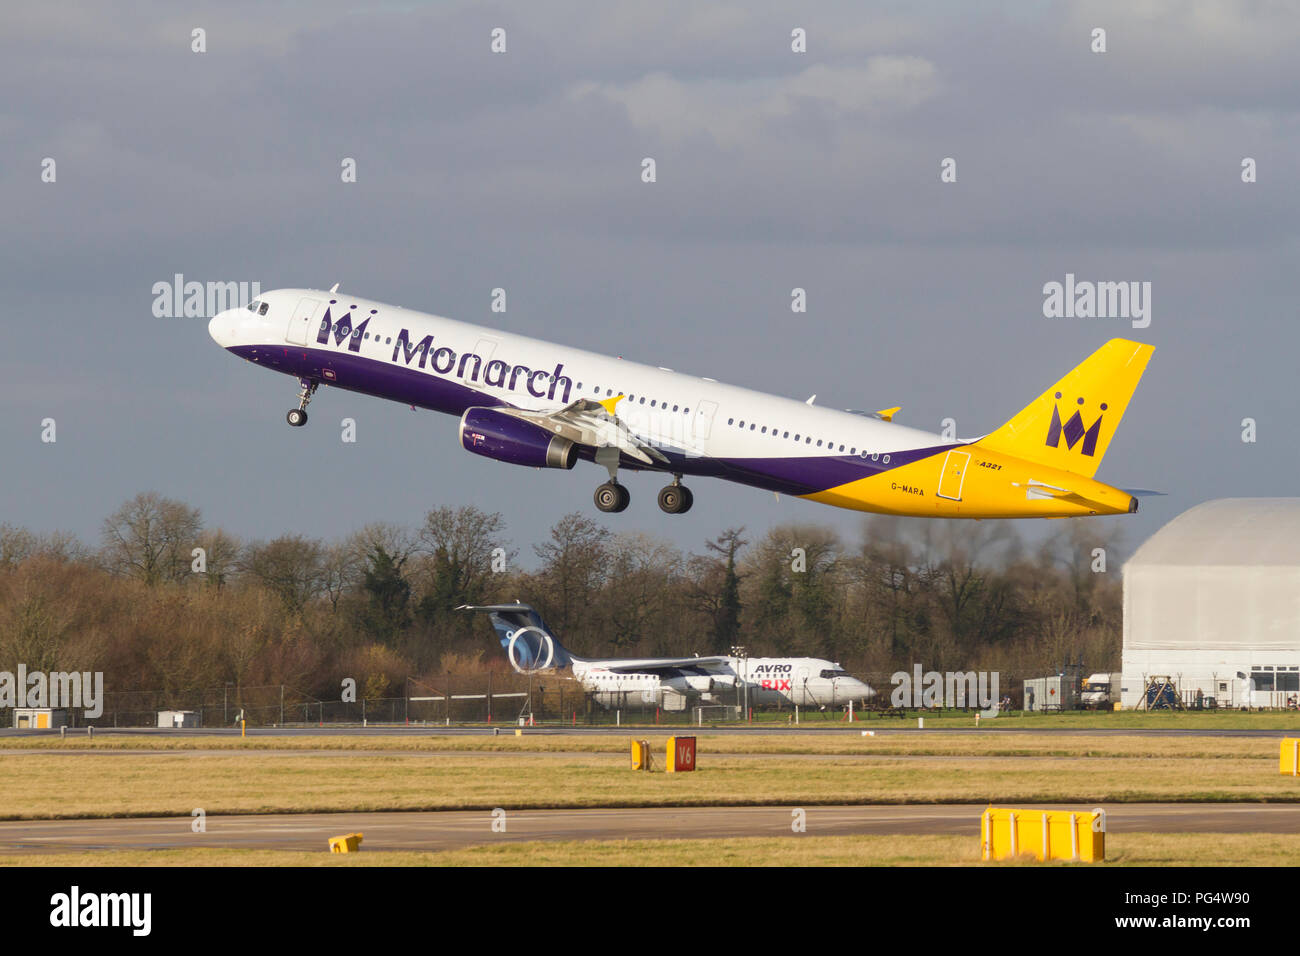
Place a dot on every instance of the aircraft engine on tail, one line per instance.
(499, 435)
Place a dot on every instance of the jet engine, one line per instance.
(693, 684)
(496, 434)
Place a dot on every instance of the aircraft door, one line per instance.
(302, 321)
(703, 419)
(954, 474)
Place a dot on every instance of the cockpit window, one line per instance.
(837, 672)
(262, 310)
(252, 306)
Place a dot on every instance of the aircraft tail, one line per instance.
(528, 642)
(1070, 425)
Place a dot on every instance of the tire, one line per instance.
(297, 417)
(608, 499)
(671, 499)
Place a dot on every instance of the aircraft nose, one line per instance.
(222, 328)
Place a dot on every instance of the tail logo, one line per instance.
(1074, 429)
(532, 650)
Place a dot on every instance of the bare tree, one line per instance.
(150, 538)
(291, 566)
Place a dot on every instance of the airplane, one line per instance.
(528, 402)
(532, 648)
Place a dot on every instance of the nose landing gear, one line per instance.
(297, 417)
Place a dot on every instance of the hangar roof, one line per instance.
(1228, 531)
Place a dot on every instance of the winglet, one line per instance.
(609, 403)
(887, 414)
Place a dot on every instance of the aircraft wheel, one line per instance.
(674, 499)
(297, 417)
(612, 498)
(690, 500)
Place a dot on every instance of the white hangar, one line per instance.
(1212, 601)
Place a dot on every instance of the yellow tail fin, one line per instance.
(1070, 425)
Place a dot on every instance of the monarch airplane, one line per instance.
(529, 402)
(627, 682)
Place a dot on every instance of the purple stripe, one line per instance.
(411, 386)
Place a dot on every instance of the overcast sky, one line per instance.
(521, 170)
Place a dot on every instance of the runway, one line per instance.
(460, 829)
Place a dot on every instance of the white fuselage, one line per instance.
(791, 681)
(706, 427)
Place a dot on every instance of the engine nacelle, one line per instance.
(494, 434)
(695, 684)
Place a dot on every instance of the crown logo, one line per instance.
(1074, 430)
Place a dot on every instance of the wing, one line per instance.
(659, 665)
(591, 423)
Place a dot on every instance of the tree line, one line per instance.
(167, 602)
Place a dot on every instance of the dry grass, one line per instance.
(1127, 849)
(851, 743)
(171, 783)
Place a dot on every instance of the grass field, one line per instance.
(144, 775)
(851, 743)
(1222, 719)
(172, 782)
(1127, 849)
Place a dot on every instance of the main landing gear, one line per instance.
(676, 499)
(611, 497)
(297, 417)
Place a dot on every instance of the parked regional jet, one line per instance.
(622, 682)
(529, 402)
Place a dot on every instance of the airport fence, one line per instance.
(484, 698)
